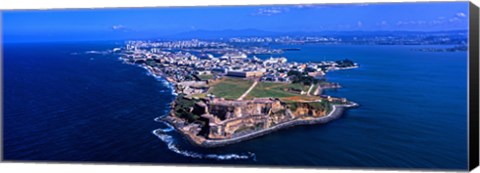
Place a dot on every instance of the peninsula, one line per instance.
(226, 94)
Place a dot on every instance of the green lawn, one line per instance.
(230, 88)
(200, 95)
(316, 105)
(275, 90)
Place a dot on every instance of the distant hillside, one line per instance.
(217, 34)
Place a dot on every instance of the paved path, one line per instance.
(318, 91)
(310, 89)
(248, 91)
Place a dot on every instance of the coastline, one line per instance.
(337, 112)
(343, 68)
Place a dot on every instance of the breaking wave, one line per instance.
(168, 129)
(169, 140)
(172, 146)
(162, 80)
(167, 84)
(98, 52)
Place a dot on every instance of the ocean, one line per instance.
(62, 104)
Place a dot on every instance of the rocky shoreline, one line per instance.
(335, 113)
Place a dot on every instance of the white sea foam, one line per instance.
(160, 79)
(168, 129)
(167, 84)
(93, 52)
(162, 91)
(169, 140)
(98, 52)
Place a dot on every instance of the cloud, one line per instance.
(283, 9)
(118, 27)
(458, 17)
(461, 15)
(382, 23)
(454, 19)
(420, 22)
(359, 24)
(271, 11)
(411, 22)
(335, 5)
(302, 6)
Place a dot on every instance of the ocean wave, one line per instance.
(158, 119)
(168, 129)
(161, 79)
(170, 141)
(165, 83)
(163, 91)
(97, 52)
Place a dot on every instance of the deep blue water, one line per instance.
(90, 107)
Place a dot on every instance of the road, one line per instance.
(310, 89)
(248, 91)
(318, 91)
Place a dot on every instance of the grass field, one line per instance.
(300, 98)
(230, 88)
(201, 95)
(317, 105)
(275, 90)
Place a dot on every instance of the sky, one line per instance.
(120, 23)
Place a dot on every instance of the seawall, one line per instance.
(337, 112)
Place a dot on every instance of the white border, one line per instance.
(121, 168)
